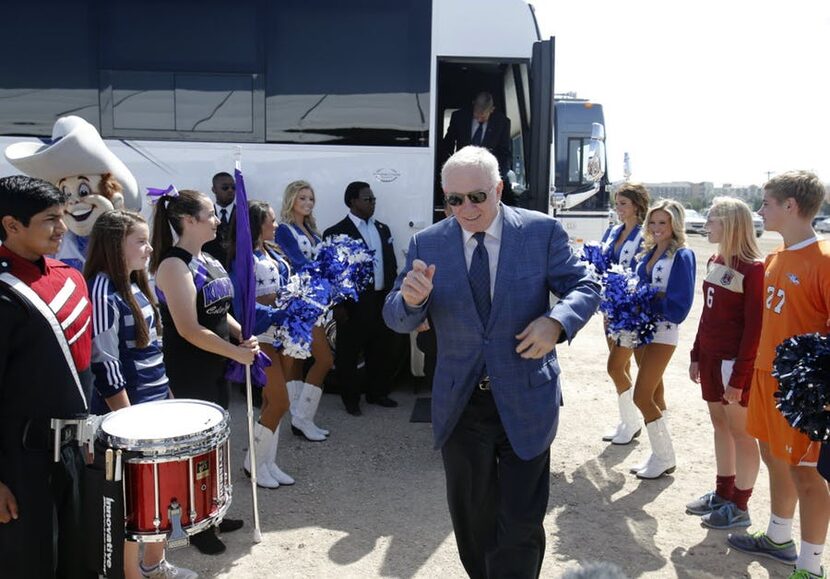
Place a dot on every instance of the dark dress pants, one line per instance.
(48, 538)
(364, 331)
(497, 501)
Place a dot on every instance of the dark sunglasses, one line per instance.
(476, 197)
(228, 187)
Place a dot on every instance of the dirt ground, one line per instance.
(370, 501)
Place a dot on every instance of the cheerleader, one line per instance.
(668, 265)
(620, 244)
(299, 239)
(126, 354)
(195, 295)
(723, 358)
(271, 271)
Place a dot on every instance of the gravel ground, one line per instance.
(369, 502)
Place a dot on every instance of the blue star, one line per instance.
(658, 279)
(659, 268)
(260, 281)
(273, 281)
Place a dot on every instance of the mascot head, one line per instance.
(79, 162)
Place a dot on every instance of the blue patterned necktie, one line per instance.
(480, 278)
(478, 135)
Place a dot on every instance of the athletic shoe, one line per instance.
(759, 544)
(165, 570)
(729, 516)
(804, 574)
(705, 504)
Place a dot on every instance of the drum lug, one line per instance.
(178, 538)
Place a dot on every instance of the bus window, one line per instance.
(354, 73)
(576, 147)
(48, 67)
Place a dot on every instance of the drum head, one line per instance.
(145, 426)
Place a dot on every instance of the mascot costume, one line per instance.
(78, 162)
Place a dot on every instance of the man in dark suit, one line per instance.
(483, 126)
(224, 189)
(360, 324)
(485, 277)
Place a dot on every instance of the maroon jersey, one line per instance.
(730, 325)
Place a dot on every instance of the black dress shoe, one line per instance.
(384, 401)
(230, 525)
(354, 410)
(207, 542)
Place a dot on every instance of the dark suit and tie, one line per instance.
(483, 126)
(360, 324)
(485, 277)
(224, 190)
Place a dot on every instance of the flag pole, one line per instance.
(249, 398)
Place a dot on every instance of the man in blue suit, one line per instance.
(485, 277)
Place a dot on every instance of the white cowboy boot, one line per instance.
(275, 471)
(662, 460)
(638, 467)
(631, 425)
(295, 388)
(262, 443)
(301, 419)
(313, 410)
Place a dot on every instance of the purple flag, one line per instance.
(244, 300)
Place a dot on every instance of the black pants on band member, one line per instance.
(47, 540)
(364, 331)
(497, 501)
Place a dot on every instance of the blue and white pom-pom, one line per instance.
(346, 265)
(628, 305)
(802, 368)
(596, 260)
(300, 302)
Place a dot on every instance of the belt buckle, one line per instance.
(484, 385)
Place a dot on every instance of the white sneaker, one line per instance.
(166, 570)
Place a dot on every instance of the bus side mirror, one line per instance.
(594, 168)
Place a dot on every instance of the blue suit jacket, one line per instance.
(534, 260)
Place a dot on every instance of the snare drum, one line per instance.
(176, 469)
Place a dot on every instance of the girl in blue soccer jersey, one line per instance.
(126, 354)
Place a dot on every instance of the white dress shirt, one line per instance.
(492, 243)
(369, 231)
(228, 210)
(475, 128)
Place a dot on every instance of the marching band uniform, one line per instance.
(45, 345)
(117, 362)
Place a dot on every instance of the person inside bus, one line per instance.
(299, 239)
(480, 124)
(360, 324)
(224, 190)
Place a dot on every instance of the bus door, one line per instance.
(523, 91)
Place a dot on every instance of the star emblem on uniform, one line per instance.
(260, 281)
(659, 268)
(273, 281)
(668, 326)
(625, 252)
(659, 279)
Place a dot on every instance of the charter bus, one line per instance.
(330, 91)
(581, 202)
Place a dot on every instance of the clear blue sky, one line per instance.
(720, 91)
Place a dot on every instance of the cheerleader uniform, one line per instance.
(117, 362)
(730, 327)
(193, 372)
(629, 248)
(271, 272)
(296, 244)
(674, 275)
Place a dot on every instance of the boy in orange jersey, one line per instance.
(796, 301)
